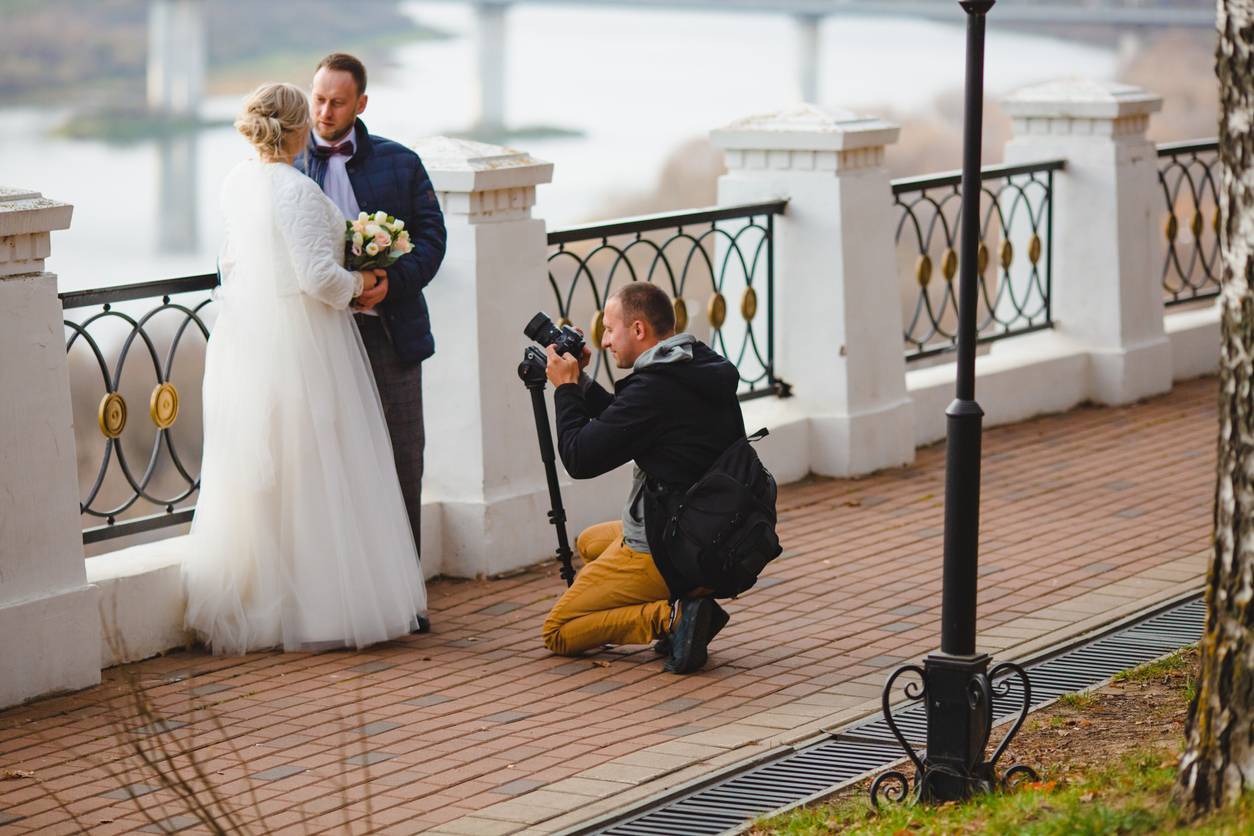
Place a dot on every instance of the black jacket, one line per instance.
(386, 175)
(673, 419)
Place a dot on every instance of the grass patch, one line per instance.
(1077, 701)
(1108, 758)
(1129, 796)
(1159, 669)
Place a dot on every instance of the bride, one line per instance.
(300, 538)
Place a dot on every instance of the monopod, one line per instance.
(532, 372)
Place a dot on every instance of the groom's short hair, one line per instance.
(346, 63)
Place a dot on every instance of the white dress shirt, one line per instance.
(339, 188)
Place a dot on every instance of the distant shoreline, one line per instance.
(41, 65)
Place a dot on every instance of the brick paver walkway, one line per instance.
(475, 729)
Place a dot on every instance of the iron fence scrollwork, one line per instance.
(1188, 173)
(156, 475)
(717, 265)
(1015, 225)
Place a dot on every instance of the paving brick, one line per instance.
(172, 824)
(1084, 515)
(275, 773)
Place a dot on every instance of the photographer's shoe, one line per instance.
(696, 622)
(662, 647)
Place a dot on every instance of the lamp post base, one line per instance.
(958, 694)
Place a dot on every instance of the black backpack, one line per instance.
(720, 533)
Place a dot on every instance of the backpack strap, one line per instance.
(759, 435)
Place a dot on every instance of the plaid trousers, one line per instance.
(400, 390)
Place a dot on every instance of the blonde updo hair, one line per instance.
(272, 112)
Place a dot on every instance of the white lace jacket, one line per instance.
(283, 235)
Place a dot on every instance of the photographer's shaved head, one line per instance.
(647, 303)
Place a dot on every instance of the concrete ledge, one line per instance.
(1194, 336)
(786, 451)
(50, 645)
(141, 601)
(1055, 369)
(1048, 372)
(142, 604)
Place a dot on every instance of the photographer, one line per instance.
(674, 414)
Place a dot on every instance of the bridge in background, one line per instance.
(177, 33)
(1132, 15)
(1194, 13)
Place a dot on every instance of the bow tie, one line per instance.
(327, 151)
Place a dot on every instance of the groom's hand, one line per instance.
(369, 298)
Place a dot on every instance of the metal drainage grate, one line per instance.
(867, 747)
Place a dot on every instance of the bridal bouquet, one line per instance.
(375, 241)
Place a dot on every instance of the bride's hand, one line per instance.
(369, 278)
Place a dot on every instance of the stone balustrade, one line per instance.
(856, 405)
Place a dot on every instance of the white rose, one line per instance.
(372, 230)
(372, 248)
(380, 217)
(357, 239)
(362, 217)
(398, 225)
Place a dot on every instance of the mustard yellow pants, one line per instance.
(617, 598)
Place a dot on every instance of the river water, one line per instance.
(635, 84)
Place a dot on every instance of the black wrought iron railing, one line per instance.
(138, 471)
(716, 264)
(1189, 175)
(1016, 219)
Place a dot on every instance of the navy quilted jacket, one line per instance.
(386, 175)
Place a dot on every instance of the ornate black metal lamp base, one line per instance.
(954, 767)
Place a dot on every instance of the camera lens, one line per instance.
(541, 329)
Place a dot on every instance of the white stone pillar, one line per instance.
(482, 460)
(1107, 251)
(49, 624)
(838, 327)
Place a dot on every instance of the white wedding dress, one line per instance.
(300, 538)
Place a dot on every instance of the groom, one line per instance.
(365, 173)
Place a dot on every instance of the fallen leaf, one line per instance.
(600, 663)
(15, 774)
(1088, 797)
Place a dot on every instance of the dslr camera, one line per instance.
(565, 340)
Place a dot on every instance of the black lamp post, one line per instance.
(957, 686)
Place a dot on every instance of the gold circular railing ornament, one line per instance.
(1034, 248)
(949, 264)
(981, 259)
(749, 304)
(163, 406)
(597, 331)
(1196, 225)
(923, 270)
(112, 415)
(1172, 227)
(716, 311)
(1006, 254)
(681, 314)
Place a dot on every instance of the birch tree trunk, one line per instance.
(1218, 761)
